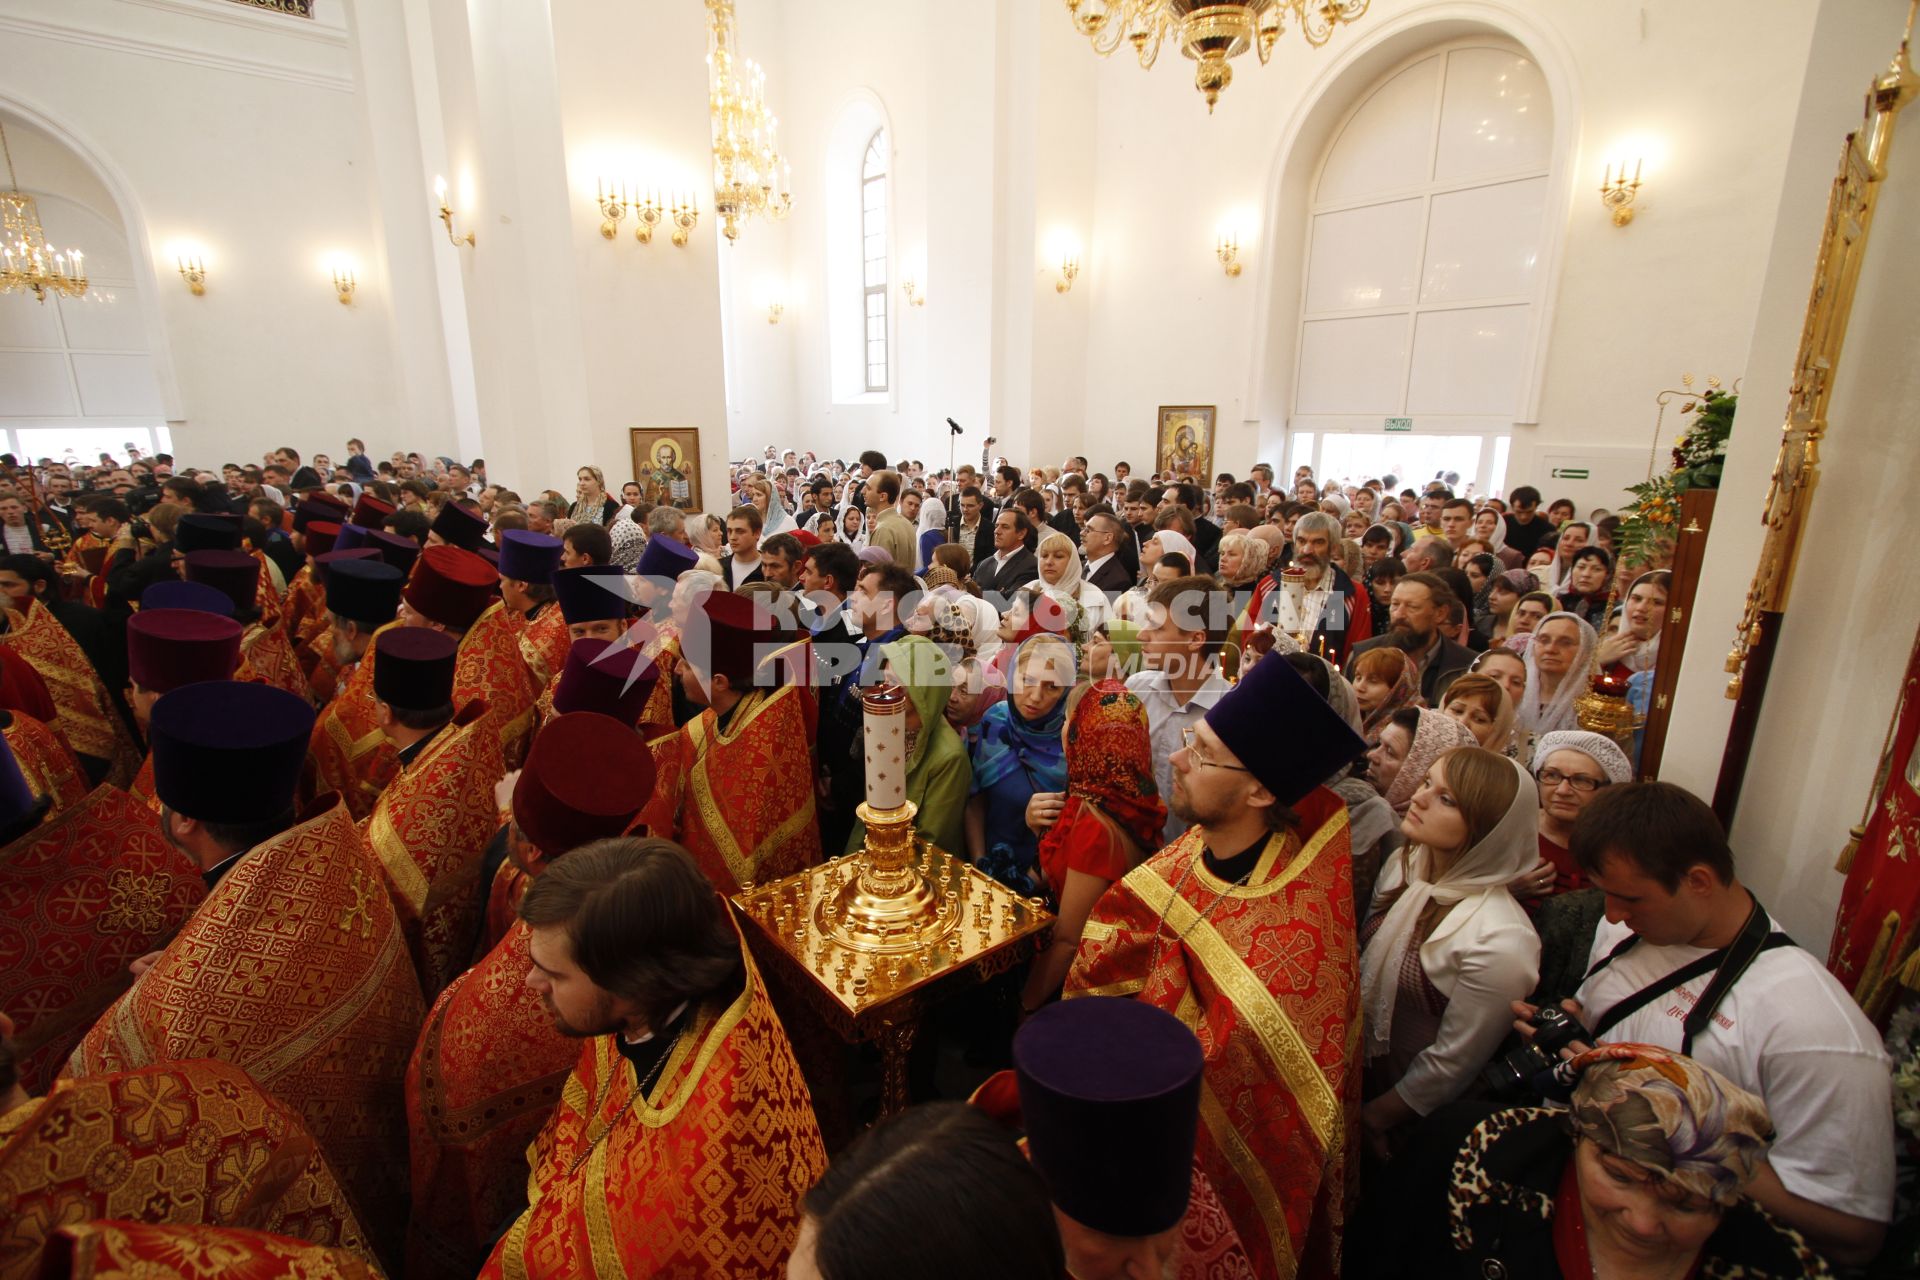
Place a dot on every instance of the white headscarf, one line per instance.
(1558, 570)
(1498, 538)
(1174, 540)
(1537, 719)
(1645, 653)
(859, 540)
(933, 514)
(1069, 584)
(1477, 879)
(779, 519)
(1603, 751)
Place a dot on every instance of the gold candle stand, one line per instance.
(870, 940)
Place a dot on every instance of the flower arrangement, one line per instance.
(1903, 1043)
(1651, 522)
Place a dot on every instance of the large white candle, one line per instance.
(885, 712)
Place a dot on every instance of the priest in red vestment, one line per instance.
(1108, 1092)
(82, 895)
(52, 771)
(429, 830)
(306, 595)
(685, 1136)
(115, 1250)
(178, 1144)
(744, 806)
(349, 754)
(457, 526)
(167, 648)
(661, 563)
(294, 968)
(265, 655)
(528, 562)
(1243, 929)
(490, 1063)
(456, 591)
(84, 715)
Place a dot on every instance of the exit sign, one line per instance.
(1399, 424)
(1569, 473)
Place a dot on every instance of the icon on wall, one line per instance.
(1184, 443)
(666, 462)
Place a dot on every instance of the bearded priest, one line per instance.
(1243, 929)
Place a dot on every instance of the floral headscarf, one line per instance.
(1110, 767)
(1437, 734)
(1405, 692)
(1677, 1118)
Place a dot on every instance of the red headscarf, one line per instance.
(1110, 767)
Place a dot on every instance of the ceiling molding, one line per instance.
(339, 82)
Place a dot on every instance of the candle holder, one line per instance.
(1293, 581)
(1604, 709)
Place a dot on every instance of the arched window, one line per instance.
(1424, 276)
(873, 257)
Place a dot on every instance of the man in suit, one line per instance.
(971, 523)
(1420, 606)
(741, 564)
(21, 532)
(1100, 538)
(1073, 491)
(1012, 564)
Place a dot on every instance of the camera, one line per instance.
(1517, 1073)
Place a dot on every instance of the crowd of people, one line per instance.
(370, 831)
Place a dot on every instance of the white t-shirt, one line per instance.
(1789, 1032)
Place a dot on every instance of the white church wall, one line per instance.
(236, 131)
(1856, 600)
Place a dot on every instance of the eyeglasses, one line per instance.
(1584, 783)
(1203, 761)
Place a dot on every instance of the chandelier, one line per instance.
(31, 263)
(747, 166)
(1210, 34)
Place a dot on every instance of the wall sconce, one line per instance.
(1069, 268)
(446, 216)
(1228, 251)
(343, 285)
(915, 298)
(193, 269)
(1617, 193)
(686, 213)
(774, 311)
(613, 207)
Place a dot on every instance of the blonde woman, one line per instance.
(1059, 563)
(592, 506)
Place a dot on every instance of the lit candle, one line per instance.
(885, 718)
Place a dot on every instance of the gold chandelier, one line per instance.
(32, 265)
(1210, 34)
(749, 177)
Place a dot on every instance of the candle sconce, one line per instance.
(915, 296)
(613, 207)
(1069, 270)
(686, 213)
(1228, 251)
(344, 285)
(1617, 193)
(193, 269)
(446, 216)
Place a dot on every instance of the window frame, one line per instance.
(875, 153)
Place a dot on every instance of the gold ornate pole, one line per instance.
(1850, 210)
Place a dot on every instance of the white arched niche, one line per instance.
(849, 164)
(87, 375)
(1363, 81)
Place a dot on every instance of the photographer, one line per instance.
(1689, 960)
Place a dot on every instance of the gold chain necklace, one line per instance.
(640, 1091)
(1159, 932)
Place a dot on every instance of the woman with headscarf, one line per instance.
(593, 506)
(1384, 681)
(1058, 561)
(1570, 768)
(1571, 537)
(1480, 570)
(1103, 825)
(1490, 526)
(938, 773)
(1632, 644)
(1644, 1175)
(1558, 659)
(1447, 950)
(1407, 747)
(1588, 585)
(851, 528)
(1483, 705)
(931, 530)
(1112, 651)
(1017, 751)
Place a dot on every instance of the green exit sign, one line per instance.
(1399, 424)
(1569, 473)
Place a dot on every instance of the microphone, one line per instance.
(953, 426)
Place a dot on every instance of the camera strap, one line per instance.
(1727, 964)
